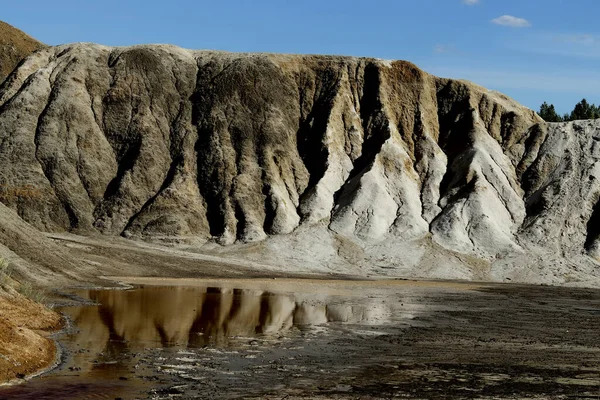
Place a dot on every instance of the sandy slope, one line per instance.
(15, 45)
(24, 327)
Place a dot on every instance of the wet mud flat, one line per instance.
(327, 339)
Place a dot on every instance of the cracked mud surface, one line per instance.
(327, 339)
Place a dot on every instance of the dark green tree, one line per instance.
(584, 110)
(548, 113)
(595, 113)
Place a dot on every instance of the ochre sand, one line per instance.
(24, 344)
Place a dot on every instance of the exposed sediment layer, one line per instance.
(162, 143)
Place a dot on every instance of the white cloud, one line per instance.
(583, 39)
(513, 22)
(581, 45)
(441, 49)
(446, 49)
(470, 2)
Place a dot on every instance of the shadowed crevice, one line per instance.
(270, 210)
(210, 178)
(593, 227)
(456, 123)
(312, 130)
(175, 164)
(375, 124)
(126, 163)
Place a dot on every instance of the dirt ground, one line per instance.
(453, 340)
(24, 344)
(420, 340)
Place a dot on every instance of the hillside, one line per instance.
(330, 164)
(14, 47)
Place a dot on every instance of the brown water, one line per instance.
(188, 317)
(273, 339)
(106, 354)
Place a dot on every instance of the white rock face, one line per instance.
(562, 189)
(382, 200)
(338, 163)
(484, 206)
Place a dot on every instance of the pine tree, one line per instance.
(548, 113)
(583, 110)
(595, 111)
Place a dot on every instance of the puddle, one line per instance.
(188, 317)
(274, 339)
(115, 347)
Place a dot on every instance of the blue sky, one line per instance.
(532, 50)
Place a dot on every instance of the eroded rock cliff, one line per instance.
(162, 143)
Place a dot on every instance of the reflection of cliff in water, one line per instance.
(192, 317)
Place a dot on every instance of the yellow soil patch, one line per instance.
(24, 346)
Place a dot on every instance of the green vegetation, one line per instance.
(32, 293)
(26, 288)
(582, 110)
(5, 271)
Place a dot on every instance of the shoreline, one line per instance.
(28, 339)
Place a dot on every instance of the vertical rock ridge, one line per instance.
(339, 131)
(162, 143)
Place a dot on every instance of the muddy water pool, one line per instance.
(327, 339)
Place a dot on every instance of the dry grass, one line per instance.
(6, 271)
(26, 289)
(14, 46)
(31, 292)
